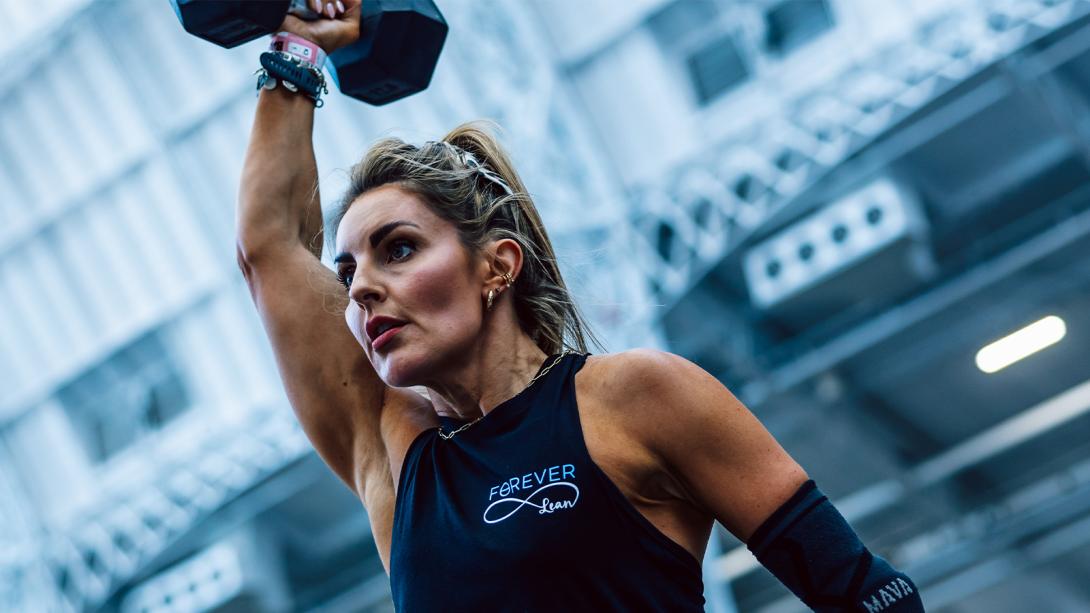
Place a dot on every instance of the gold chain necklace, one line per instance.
(447, 437)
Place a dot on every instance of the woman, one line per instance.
(523, 476)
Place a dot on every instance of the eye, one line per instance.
(345, 279)
(397, 254)
(395, 247)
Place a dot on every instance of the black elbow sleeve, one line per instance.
(809, 546)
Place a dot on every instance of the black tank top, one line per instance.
(513, 515)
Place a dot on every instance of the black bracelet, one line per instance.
(293, 73)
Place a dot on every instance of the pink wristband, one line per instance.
(299, 47)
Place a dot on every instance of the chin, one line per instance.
(412, 364)
(401, 368)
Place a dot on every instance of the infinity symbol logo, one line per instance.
(544, 505)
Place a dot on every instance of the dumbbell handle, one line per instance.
(302, 10)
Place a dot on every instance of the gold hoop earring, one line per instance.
(507, 279)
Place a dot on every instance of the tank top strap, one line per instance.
(555, 415)
(558, 387)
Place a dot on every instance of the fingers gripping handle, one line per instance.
(303, 10)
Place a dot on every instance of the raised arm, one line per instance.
(326, 375)
(358, 425)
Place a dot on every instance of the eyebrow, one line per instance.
(376, 238)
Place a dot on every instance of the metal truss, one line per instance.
(704, 210)
(1025, 530)
(103, 548)
(813, 361)
(585, 212)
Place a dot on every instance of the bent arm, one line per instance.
(739, 474)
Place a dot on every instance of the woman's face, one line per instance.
(403, 261)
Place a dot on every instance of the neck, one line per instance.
(497, 369)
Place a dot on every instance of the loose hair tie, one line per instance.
(470, 161)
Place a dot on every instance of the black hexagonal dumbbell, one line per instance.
(395, 56)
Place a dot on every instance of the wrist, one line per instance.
(305, 50)
(294, 63)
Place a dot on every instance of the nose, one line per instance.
(363, 291)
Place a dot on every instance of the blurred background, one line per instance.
(833, 206)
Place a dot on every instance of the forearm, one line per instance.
(813, 551)
(278, 199)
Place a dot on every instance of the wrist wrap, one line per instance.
(299, 47)
(809, 546)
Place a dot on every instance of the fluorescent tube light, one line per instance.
(1021, 344)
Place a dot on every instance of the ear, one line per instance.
(504, 255)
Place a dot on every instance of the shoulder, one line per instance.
(645, 374)
(655, 392)
(672, 407)
(698, 434)
(691, 432)
(632, 365)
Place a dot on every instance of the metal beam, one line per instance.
(883, 326)
(980, 52)
(368, 593)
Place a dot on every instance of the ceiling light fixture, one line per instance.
(1021, 344)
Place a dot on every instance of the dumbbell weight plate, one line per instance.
(395, 56)
(399, 45)
(229, 23)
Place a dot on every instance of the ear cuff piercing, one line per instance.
(508, 280)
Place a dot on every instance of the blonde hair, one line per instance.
(468, 179)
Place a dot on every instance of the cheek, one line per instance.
(443, 294)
